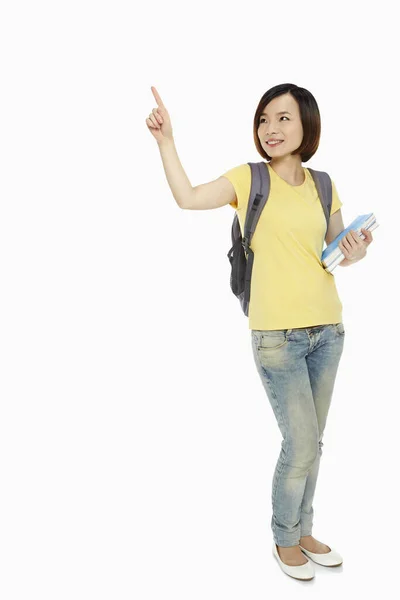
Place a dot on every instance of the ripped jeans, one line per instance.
(298, 369)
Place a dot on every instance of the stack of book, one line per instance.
(332, 255)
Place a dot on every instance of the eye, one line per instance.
(282, 117)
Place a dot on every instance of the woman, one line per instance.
(295, 314)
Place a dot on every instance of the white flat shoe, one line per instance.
(329, 559)
(304, 572)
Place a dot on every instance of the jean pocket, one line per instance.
(272, 339)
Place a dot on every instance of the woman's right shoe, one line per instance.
(304, 572)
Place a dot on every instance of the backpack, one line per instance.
(241, 264)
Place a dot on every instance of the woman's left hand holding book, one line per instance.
(353, 246)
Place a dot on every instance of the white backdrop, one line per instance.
(137, 443)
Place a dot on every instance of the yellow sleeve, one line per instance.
(240, 178)
(336, 202)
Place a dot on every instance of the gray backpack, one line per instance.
(241, 264)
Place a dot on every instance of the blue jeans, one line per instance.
(298, 369)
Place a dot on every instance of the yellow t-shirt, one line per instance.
(289, 287)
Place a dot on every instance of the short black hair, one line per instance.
(309, 114)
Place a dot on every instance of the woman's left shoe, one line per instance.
(329, 559)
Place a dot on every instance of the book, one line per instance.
(332, 255)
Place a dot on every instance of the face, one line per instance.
(286, 127)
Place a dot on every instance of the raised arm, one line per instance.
(205, 196)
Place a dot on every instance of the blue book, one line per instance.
(332, 255)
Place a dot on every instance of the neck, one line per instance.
(289, 168)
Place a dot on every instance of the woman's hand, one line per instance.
(353, 247)
(159, 122)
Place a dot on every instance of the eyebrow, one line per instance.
(282, 112)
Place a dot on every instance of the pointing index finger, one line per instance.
(157, 96)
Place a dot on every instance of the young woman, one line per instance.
(295, 314)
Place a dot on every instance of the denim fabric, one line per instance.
(298, 369)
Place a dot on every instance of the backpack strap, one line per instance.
(258, 196)
(323, 183)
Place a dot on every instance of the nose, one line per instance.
(271, 131)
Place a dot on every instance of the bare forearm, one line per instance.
(178, 181)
